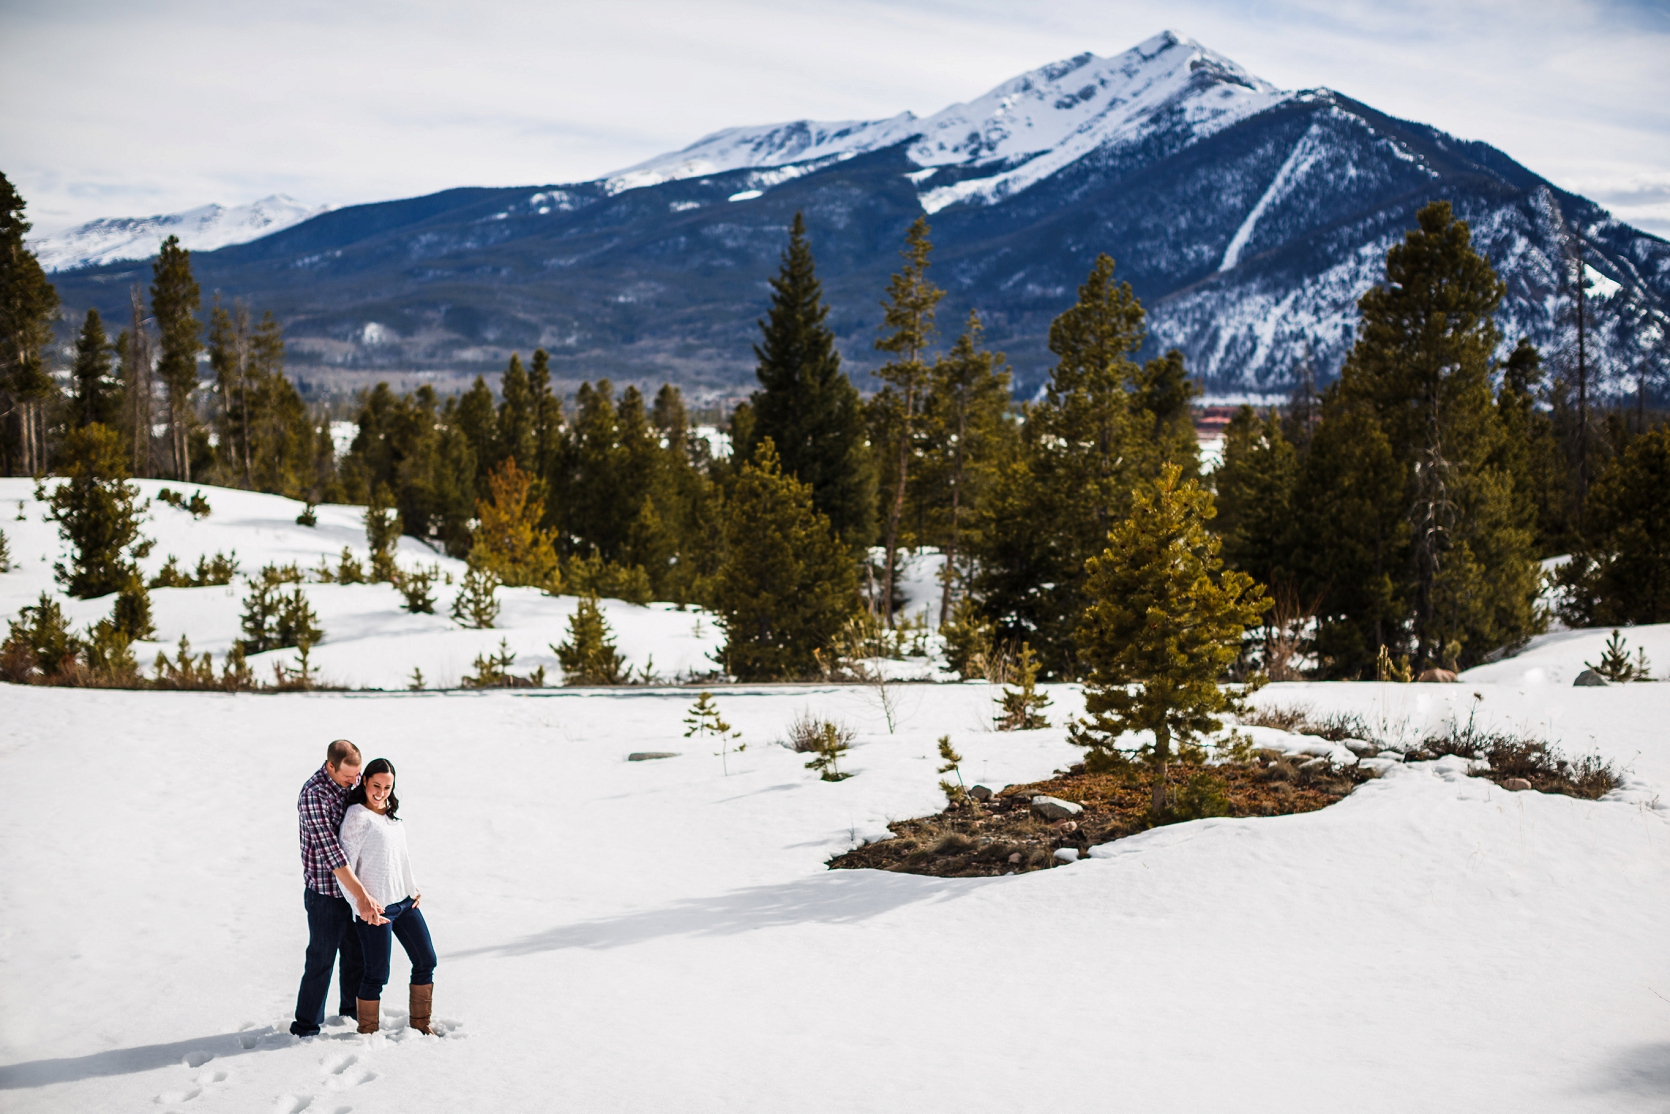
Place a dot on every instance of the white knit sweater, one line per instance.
(376, 849)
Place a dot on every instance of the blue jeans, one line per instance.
(377, 942)
(328, 934)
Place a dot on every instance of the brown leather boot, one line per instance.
(368, 1019)
(421, 997)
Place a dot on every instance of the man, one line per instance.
(325, 869)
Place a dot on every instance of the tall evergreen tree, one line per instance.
(908, 320)
(508, 541)
(28, 306)
(175, 298)
(137, 348)
(478, 419)
(1531, 450)
(517, 417)
(1254, 487)
(966, 431)
(546, 409)
(1421, 365)
(229, 358)
(1165, 621)
(1085, 446)
(805, 405)
(98, 394)
(786, 585)
(1621, 572)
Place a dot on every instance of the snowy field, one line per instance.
(659, 936)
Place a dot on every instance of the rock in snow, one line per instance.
(650, 755)
(1054, 808)
(1589, 679)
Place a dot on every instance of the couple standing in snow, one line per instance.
(354, 850)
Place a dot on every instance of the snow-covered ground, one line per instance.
(370, 640)
(660, 936)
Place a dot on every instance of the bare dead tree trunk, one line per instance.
(1582, 392)
(138, 375)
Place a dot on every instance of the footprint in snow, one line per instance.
(211, 1077)
(337, 1067)
(198, 1059)
(169, 1098)
(292, 1104)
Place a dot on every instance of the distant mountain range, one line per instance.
(1248, 218)
(205, 228)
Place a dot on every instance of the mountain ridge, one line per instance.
(1248, 218)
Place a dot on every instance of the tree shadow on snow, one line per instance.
(192, 1053)
(840, 897)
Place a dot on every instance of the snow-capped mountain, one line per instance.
(205, 228)
(1247, 218)
(1017, 134)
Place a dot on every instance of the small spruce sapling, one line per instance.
(383, 526)
(477, 604)
(703, 719)
(1023, 705)
(348, 568)
(953, 761)
(826, 753)
(5, 554)
(308, 517)
(1616, 666)
(416, 586)
(589, 656)
(415, 682)
(492, 671)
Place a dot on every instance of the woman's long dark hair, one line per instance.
(356, 795)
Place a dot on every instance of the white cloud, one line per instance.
(120, 109)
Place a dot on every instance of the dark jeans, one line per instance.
(377, 942)
(328, 932)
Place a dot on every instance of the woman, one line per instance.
(374, 840)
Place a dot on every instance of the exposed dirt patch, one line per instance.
(1005, 835)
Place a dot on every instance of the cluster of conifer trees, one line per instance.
(1399, 517)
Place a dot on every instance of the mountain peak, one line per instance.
(112, 239)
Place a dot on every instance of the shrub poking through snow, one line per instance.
(951, 763)
(273, 619)
(415, 682)
(476, 605)
(1385, 669)
(968, 639)
(703, 720)
(1617, 666)
(383, 526)
(109, 654)
(1164, 623)
(826, 754)
(5, 554)
(184, 671)
(589, 656)
(806, 732)
(592, 575)
(416, 586)
(1518, 756)
(1023, 705)
(211, 571)
(40, 644)
(308, 517)
(492, 671)
(348, 568)
(132, 610)
(197, 506)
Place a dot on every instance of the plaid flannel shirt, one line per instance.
(320, 806)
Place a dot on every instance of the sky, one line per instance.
(123, 109)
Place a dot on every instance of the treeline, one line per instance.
(1398, 518)
(247, 427)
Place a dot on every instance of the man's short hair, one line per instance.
(342, 751)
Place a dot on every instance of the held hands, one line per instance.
(370, 911)
(418, 900)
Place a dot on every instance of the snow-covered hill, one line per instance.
(205, 228)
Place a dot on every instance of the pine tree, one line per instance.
(476, 604)
(383, 526)
(1421, 365)
(1165, 622)
(1532, 452)
(966, 433)
(94, 507)
(39, 640)
(1082, 453)
(508, 540)
(1617, 666)
(908, 315)
(703, 719)
(1254, 488)
(229, 357)
(517, 416)
(786, 584)
(97, 393)
(588, 657)
(28, 307)
(478, 420)
(1023, 705)
(951, 763)
(1621, 571)
(805, 405)
(546, 409)
(175, 297)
